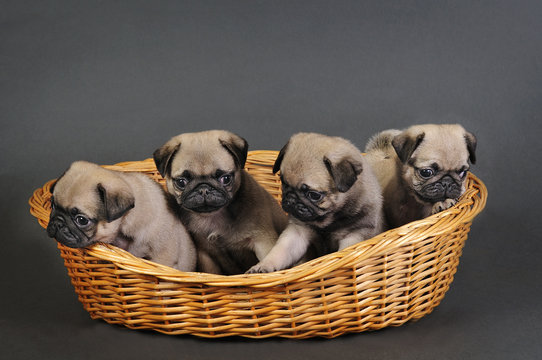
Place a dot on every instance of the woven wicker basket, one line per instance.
(399, 275)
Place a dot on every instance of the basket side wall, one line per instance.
(377, 292)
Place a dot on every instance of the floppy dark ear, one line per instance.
(237, 147)
(278, 160)
(163, 156)
(117, 200)
(471, 146)
(405, 145)
(344, 173)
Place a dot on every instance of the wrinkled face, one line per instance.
(203, 181)
(432, 183)
(86, 209)
(318, 192)
(81, 225)
(202, 170)
(436, 176)
(311, 204)
(435, 160)
(317, 173)
(77, 228)
(71, 226)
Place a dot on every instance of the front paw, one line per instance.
(260, 268)
(443, 205)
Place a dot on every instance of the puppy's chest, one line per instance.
(329, 242)
(406, 209)
(230, 250)
(211, 231)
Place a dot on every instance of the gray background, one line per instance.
(110, 81)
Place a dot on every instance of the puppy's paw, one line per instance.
(443, 205)
(260, 268)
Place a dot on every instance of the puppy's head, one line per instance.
(436, 159)
(86, 204)
(202, 170)
(318, 174)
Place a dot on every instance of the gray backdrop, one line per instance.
(110, 81)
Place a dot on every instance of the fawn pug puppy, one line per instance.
(421, 170)
(331, 195)
(91, 204)
(234, 221)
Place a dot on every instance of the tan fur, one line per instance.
(303, 164)
(234, 237)
(149, 230)
(444, 145)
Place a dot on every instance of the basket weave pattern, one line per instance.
(397, 276)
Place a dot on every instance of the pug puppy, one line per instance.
(234, 221)
(332, 198)
(421, 170)
(91, 204)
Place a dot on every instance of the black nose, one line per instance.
(289, 202)
(290, 199)
(451, 188)
(51, 229)
(447, 182)
(56, 223)
(204, 190)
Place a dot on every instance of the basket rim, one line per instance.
(469, 205)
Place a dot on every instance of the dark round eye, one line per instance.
(225, 179)
(462, 173)
(314, 195)
(426, 173)
(180, 183)
(81, 220)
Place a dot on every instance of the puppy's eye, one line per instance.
(81, 220)
(462, 173)
(314, 195)
(426, 173)
(225, 179)
(180, 183)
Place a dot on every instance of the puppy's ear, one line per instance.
(116, 198)
(404, 145)
(344, 173)
(471, 146)
(163, 156)
(237, 147)
(278, 160)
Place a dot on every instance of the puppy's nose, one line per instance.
(451, 188)
(204, 190)
(54, 225)
(447, 182)
(51, 229)
(290, 199)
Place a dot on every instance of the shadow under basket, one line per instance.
(397, 276)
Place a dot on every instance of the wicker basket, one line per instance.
(399, 275)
